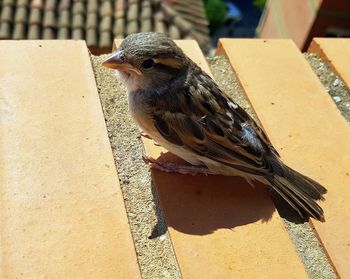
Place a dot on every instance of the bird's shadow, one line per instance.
(200, 204)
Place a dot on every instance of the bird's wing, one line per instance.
(207, 122)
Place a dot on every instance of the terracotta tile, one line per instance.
(48, 33)
(105, 39)
(9, 2)
(5, 30)
(63, 33)
(6, 14)
(132, 27)
(174, 32)
(124, 17)
(34, 32)
(19, 31)
(78, 21)
(49, 19)
(146, 25)
(304, 125)
(133, 12)
(159, 25)
(91, 37)
(78, 8)
(106, 25)
(106, 9)
(336, 51)
(35, 16)
(221, 227)
(146, 10)
(62, 211)
(64, 19)
(21, 15)
(184, 25)
(91, 21)
(37, 4)
(119, 27)
(78, 34)
(64, 5)
(92, 6)
(22, 3)
(50, 4)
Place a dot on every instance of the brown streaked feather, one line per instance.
(203, 122)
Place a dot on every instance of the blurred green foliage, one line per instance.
(259, 3)
(216, 11)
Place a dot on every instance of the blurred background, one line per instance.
(100, 21)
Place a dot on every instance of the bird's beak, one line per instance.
(117, 61)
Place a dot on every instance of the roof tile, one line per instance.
(105, 39)
(119, 27)
(78, 8)
(63, 33)
(9, 3)
(132, 27)
(133, 11)
(64, 19)
(39, 4)
(146, 25)
(146, 11)
(64, 4)
(92, 6)
(6, 14)
(106, 8)
(106, 23)
(174, 32)
(50, 4)
(78, 34)
(119, 5)
(91, 37)
(49, 19)
(97, 20)
(92, 20)
(21, 14)
(22, 3)
(159, 25)
(34, 32)
(184, 25)
(5, 30)
(19, 31)
(35, 16)
(78, 21)
(48, 33)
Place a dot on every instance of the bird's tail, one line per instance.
(299, 191)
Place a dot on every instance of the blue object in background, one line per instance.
(241, 22)
(251, 14)
(233, 12)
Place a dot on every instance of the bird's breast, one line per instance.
(140, 110)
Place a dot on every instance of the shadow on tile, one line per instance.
(201, 204)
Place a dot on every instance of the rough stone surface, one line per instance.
(153, 246)
(333, 84)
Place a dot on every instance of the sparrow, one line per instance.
(183, 109)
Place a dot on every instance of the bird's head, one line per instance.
(146, 60)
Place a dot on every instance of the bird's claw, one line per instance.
(175, 167)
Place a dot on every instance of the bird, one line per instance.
(182, 108)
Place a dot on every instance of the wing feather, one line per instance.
(207, 122)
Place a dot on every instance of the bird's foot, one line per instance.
(144, 135)
(175, 167)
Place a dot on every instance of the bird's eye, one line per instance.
(148, 64)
